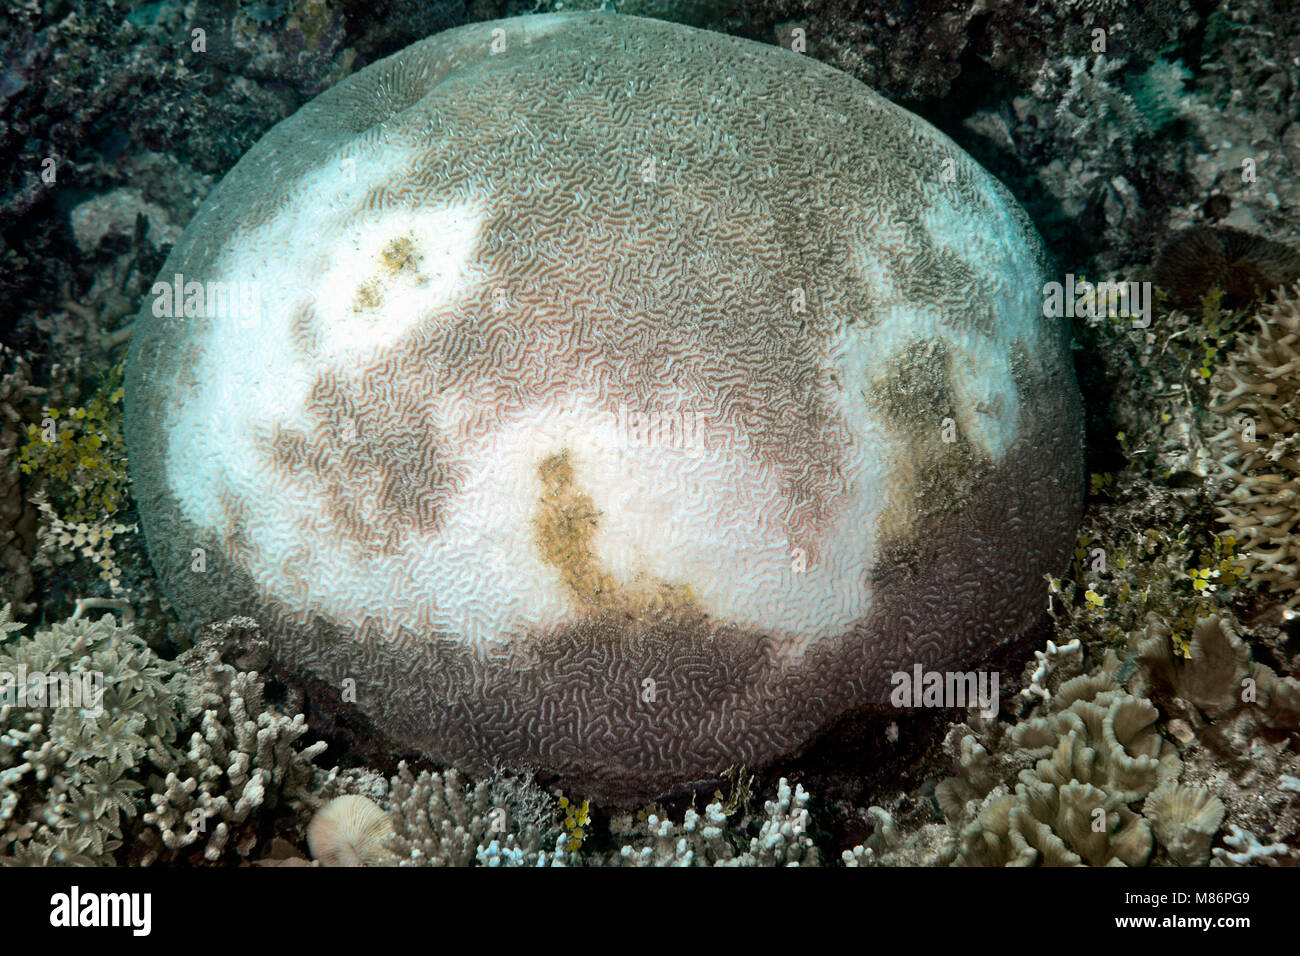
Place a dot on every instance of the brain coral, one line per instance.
(606, 396)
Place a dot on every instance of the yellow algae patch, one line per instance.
(369, 297)
(400, 255)
(397, 257)
(565, 530)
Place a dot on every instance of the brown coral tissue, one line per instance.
(1245, 266)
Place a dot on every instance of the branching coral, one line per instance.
(440, 820)
(1090, 778)
(241, 758)
(1258, 450)
(67, 773)
(1242, 848)
(197, 747)
(74, 768)
(710, 839)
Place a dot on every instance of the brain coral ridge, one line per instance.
(606, 396)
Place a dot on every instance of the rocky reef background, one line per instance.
(1161, 691)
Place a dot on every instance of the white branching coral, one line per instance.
(241, 759)
(713, 839)
(1258, 449)
(115, 729)
(1244, 849)
(440, 820)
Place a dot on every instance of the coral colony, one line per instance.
(500, 531)
(669, 446)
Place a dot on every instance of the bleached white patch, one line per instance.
(440, 241)
(704, 519)
(979, 367)
(249, 375)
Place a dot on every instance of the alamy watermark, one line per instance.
(946, 689)
(193, 299)
(660, 428)
(1090, 300)
(75, 909)
(82, 690)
